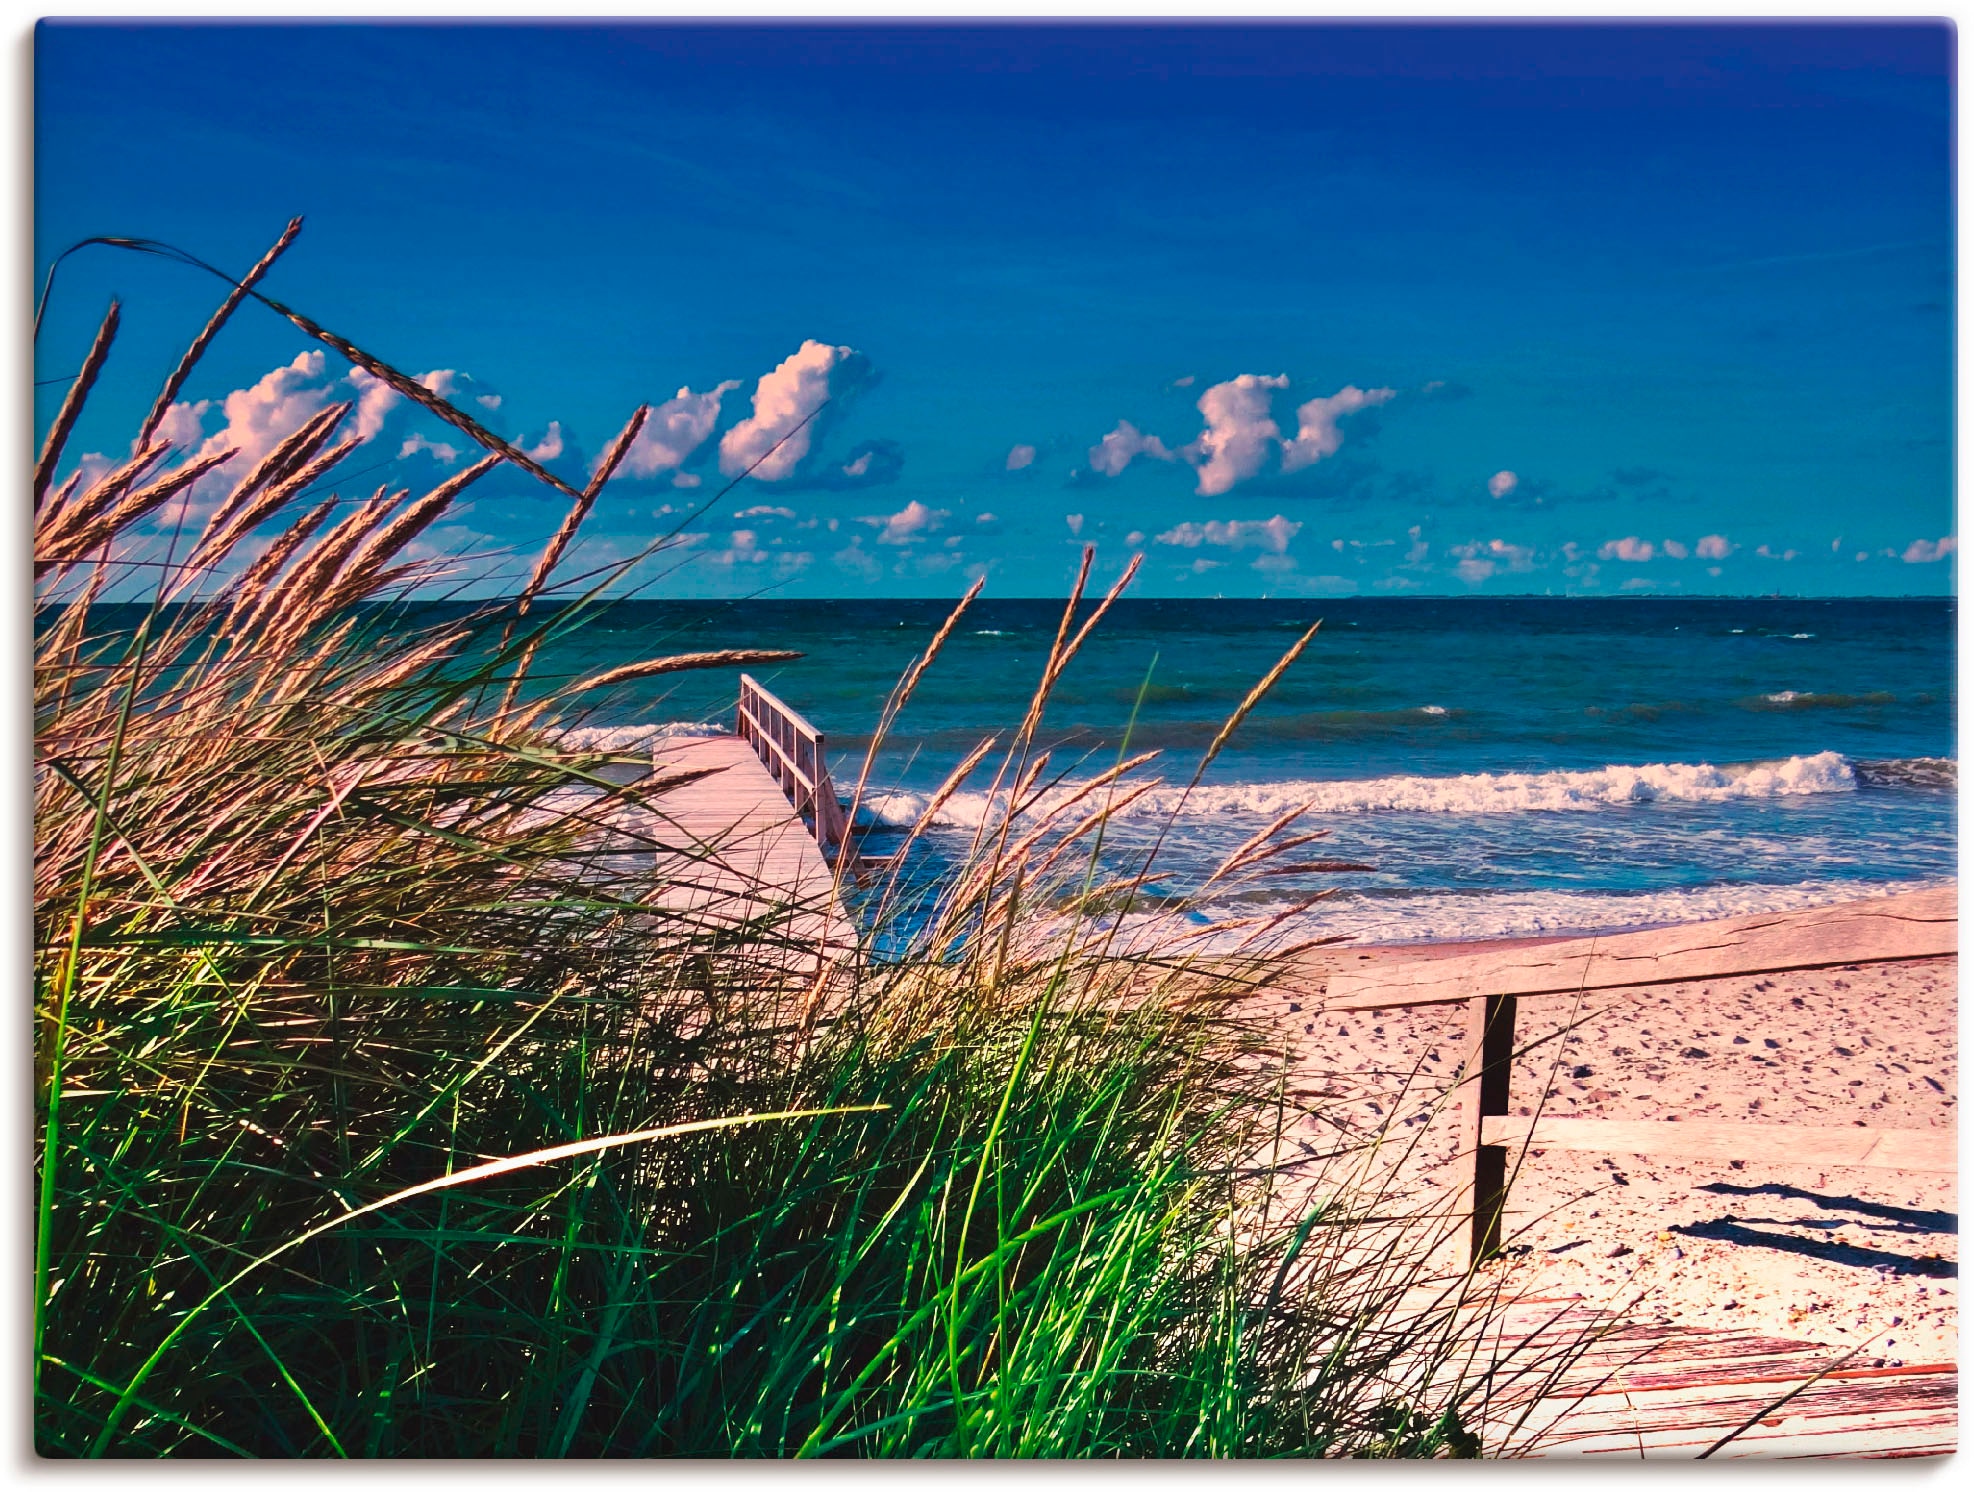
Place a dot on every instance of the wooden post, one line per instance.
(1490, 1050)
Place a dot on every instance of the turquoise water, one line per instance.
(1506, 766)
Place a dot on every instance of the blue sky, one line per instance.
(1288, 309)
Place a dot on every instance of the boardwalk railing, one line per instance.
(793, 752)
(1918, 925)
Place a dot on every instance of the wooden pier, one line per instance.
(742, 844)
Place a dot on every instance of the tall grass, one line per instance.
(387, 1108)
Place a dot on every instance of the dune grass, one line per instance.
(386, 1108)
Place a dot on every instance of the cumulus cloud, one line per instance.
(184, 424)
(1021, 456)
(1713, 546)
(441, 451)
(260, 416)
(675, 429)
(549, 446)
(908, 523)
(1121, 447)
(1241, 437)
(762, 510)
(775, 434)
(487, 401)
(1272, 534)
(1925, 552)
(1502, 483)
(1632, 549)
(375, 399)
(1075, 522)
(1317, 434)
(1494, 554)
(1674, 549)
(1239, 433)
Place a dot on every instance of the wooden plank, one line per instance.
(1794, 1144)
(1918, 924)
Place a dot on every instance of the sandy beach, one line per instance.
(1851, 1256)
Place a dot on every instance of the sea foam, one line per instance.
(1477, 792)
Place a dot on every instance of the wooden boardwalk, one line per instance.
(733, 856)
(1658, 1390)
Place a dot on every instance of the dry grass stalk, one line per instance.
(415, 391)
(287, 455)
(219, 318)
(1254, 697)
(65, 527)
(72, 402)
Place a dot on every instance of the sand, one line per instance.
(1843, 1256)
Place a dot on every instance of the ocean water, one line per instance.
(1504, 766)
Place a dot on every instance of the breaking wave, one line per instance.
(1478, 792)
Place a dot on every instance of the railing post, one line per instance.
(1489, 1065)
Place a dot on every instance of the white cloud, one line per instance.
(1135, 537)
(1713, 546)
(442, 381)
(438, 450)
(487, 401)
(1317, 434)
(685, 479)
(1201, 566)
(1118, 449)
(1186, 382)
(184, 424)
(1633, 550)
(1274, 564)
(783, 399)
(1021, 456)
(550, 445)
(908, 523)
(1075, 522)
(1494, 553)
(375, 399)
(1502, 483)
(1242, 533)
(1767, 553)
(1239, 431)
(262, 415)
(762, 510)
(674, 430)
(1474, 571)
(1925, 552)
(1674, 549)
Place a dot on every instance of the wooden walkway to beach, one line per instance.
(1659, 1390)
(736, 857)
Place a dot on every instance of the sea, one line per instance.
(1502, 767)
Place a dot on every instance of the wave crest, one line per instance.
(1478, 792)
